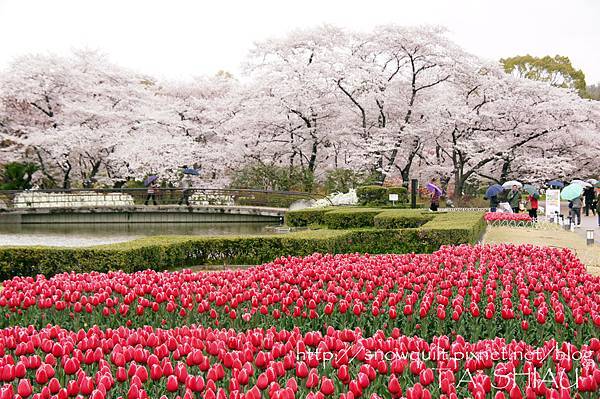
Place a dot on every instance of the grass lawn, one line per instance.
(589, 255)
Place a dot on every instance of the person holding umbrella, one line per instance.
(152, 183)
(532, 200)
(575, 206)
(186, 184)
(436, 193)
(572, 193)
(514, 198)
(492, 194)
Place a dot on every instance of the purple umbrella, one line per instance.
(149, 180)
(433, 188)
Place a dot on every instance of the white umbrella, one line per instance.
(511, 183)
(581, 183)
(592, 181)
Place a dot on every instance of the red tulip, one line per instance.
(394, 386)
(71, 366)
(327, 387)
(301, 370)
(172, 383)
(262, 381)
(24, 389)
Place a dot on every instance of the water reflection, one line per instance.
(78, 235)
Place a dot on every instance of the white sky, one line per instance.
(179, 39)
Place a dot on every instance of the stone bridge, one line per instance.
(194, 205)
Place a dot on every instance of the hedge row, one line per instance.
(344, 218)
(378, 195)
(176, 251)
(350, 218)
(397, 219)
(307, 217)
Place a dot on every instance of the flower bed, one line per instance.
(521, 292)
(193, 361)
(507, 218)
(466, 321)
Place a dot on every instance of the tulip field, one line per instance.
(467, 321)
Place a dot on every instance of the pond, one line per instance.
(81, 235)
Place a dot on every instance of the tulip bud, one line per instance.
(172, 383)
(24, 388)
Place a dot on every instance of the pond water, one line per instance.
(81, 235)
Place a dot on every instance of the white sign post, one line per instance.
(552, 204)
(393, 198)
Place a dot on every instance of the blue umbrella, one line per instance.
(191, 171)
(149, 180)
(494, 190)
(556, 183)
(571, 192)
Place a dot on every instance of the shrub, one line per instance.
(378, 195)
(466, 226)
(401, 218)
(17, 175)
(402, 194)
(350, 218)
(372, 195)
(306, 217)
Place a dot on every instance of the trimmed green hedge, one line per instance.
(372, 195)
(306, 217)
(402, 218)
(357, 217)
(168, 252)
(466, 227)
(348, 218)
(378, 195)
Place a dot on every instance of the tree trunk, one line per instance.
(504, 174)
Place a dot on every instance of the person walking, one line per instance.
(151, 193)
(576, 211)
(436, 193)
(532, 206)
(514, 198)
(589, 196)
(494, 201)
(185, 194)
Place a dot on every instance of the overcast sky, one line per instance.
(180, 39)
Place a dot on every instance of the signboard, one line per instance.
(552, 203)
(393, 197)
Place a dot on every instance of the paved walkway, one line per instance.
(587, 223)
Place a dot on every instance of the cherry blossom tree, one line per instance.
(395, 101)
(498, 127)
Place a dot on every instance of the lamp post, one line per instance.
(589, 237)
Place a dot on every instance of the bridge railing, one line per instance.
(127, 197)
